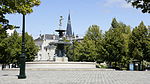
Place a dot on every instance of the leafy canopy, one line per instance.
(144, 5)
(140, 43)
(18, 6)
(12, 48)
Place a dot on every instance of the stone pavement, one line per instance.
(76, 77)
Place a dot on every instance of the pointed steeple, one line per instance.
(69, 28)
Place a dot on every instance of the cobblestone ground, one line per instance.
(76, 77)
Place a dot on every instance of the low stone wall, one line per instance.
(61, 59)
(53, 65)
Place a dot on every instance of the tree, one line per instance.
(31, 48)
(140, 43)
(14, 6)
(74, 51)
(18, 6)
(12, 49)
(92, 43)
(144, 5)
(114, 46)
(114, 23)
(116, 43)
(87, 49)
(10, 7)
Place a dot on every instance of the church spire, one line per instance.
(69, 28)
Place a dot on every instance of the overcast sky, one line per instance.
(45, 18)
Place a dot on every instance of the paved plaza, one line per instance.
(76, 77)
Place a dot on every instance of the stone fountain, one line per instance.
(60, 55)
(60, 59)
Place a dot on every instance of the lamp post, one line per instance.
(22, 57)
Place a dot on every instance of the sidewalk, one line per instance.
(75, 77)
(61, 69)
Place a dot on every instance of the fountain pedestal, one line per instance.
(61, 59)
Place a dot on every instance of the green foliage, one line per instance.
(90, 50)
(18, 6)
(8, 47)
(14, 6)
(73, 53)
(114, 23)
(87, 49)
(117, 47)
(144, 5)
(140, 43)
(116, 43)
(12, 48)
(31, 48)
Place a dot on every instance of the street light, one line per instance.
(22, 57)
